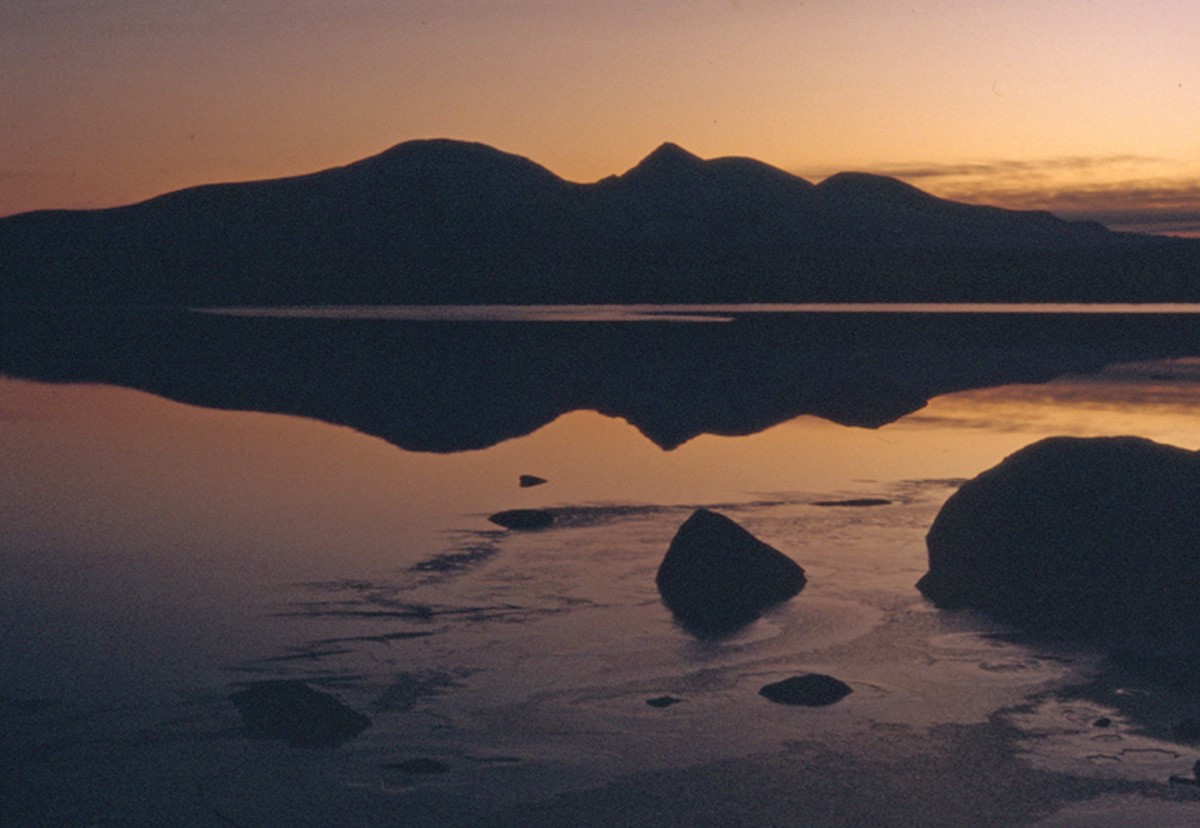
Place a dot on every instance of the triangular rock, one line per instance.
(716, 576)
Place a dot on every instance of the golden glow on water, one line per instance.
(131, 474)
(133, 477)
(1157, 400)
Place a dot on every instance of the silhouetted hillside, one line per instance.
(447, 222)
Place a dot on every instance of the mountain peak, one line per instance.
(433, 150)
(446, 156)
(669, 159)
(867, 186)
(669, 153)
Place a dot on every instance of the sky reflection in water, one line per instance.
(126, 474)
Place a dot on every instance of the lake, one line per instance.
(195, 502)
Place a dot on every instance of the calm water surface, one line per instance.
(157, 555)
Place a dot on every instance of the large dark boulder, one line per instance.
(716, 576)
(1094, 537)
(295, 713)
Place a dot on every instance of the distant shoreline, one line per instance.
(677, 312)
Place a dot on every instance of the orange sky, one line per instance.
(1087, 107)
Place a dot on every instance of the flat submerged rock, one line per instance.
(523, 519)
(858, 502)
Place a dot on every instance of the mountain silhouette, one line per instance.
(440, 221)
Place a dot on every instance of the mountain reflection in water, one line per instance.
(429, 384)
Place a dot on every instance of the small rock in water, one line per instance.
(810, 690)
(528, 480)
(663, 701)
(1103, 721)
(523, 519)
(296, 713)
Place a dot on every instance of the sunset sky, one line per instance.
(1085, 107)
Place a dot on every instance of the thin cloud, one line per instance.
(1007, 168)
(1114, 190)
(1138, 205)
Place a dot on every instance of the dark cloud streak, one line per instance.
(1140, 206)
(1121, 202)
(1011, 167)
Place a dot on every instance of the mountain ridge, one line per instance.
(448, 221)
